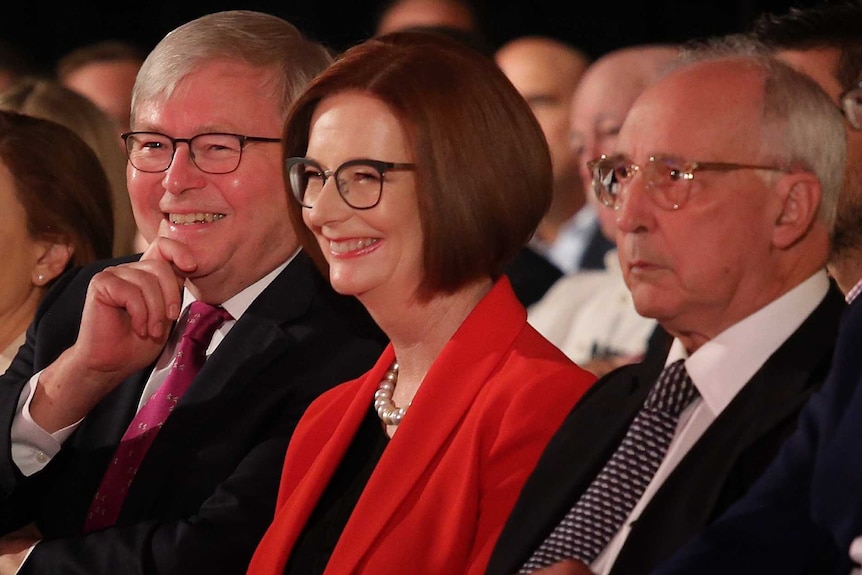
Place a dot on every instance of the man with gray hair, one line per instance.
(804, 515)
(724, 179)
(152, 403)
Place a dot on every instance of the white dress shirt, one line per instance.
(719, 369)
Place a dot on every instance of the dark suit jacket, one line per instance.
(206, 490)
(718, 470)
(531, 274)
(806, 509)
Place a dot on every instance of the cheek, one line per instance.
(145, 191)
(306, 219)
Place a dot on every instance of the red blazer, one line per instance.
(444, 486)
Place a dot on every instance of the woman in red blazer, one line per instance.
(418, 173)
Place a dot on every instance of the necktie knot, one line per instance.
(673, 391)
(203, 319)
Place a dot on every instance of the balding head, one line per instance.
(608, 89)
(405, 14)
(603, 97)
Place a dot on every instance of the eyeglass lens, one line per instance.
(666, 177)
(212, 153)
(359, 184)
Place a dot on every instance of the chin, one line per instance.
(341, 284)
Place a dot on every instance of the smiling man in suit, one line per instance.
(205, 179)
(725, 178)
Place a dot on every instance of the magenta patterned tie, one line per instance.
(203, 319)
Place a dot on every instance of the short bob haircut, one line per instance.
(483, 172)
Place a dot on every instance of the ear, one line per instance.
(799, 194)
(54, 257)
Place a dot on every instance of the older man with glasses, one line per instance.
(724, 179)
(805, 513)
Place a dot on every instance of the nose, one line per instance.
(183, 173)
(328, 206)
(636, 210)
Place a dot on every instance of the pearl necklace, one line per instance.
(387, 411)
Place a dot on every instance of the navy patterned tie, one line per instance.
(600, 512)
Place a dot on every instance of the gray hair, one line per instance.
(255, 38)
(802, 126)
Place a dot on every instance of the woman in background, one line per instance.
(418, 173)
(45, 98)
(55, 213)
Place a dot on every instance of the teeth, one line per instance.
(199, 218)
(351, 245)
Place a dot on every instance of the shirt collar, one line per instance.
(721, 367)
(239, 303)
(851, 295)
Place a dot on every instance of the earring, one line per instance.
(40, 279)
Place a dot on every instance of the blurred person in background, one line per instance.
(546, 71)
(46, 98)
(396, 15)
(55, 213)
(590, 315)
(105, 73)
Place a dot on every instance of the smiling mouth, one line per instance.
(343, 247)
(198, 218)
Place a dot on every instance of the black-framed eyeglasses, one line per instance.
(851, 105)
(669, 179)
(359, 182)
(214, 153)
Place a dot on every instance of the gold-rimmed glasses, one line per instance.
(668, 178)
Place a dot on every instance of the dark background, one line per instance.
(596, 26)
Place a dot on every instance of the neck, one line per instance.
(419, 331)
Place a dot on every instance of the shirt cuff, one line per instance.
(32, 446)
